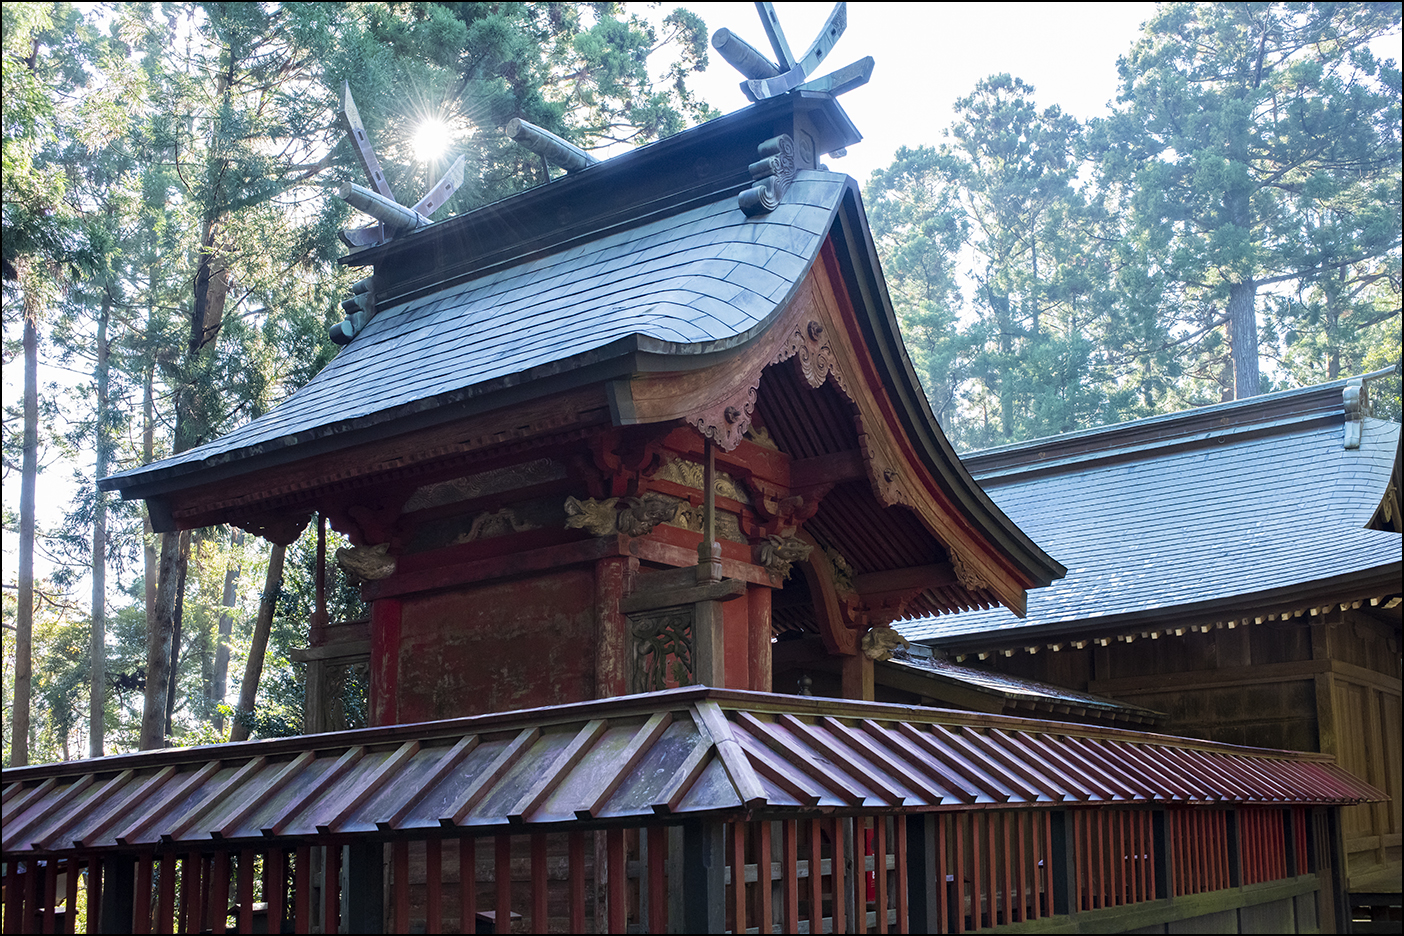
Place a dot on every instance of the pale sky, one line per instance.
(929, 54)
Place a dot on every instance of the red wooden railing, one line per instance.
(1199, 850)
(996, 866)
(1114, 857)
(1263, 849)
(991, 868)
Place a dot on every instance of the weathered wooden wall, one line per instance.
(1328, 682)
(498, 646)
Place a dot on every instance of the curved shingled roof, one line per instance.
(690, 283)
(1251, 505)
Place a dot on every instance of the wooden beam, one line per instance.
(828, 470)
(648, 600)
(936, 575)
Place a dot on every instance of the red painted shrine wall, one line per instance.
(497, 647)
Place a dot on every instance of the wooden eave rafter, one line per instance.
(902, 456)
(1298, 601)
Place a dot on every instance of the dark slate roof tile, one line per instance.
(1181, 525)
(705, 274)
(724, 310)
(756, 279)
(788, 266)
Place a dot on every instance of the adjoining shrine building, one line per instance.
(599, 446)
(1238, 569)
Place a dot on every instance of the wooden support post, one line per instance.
(657, 848)
(837, 869)
(709, 649)
(857, 677)
(189, 891)
(738, 876)
(219, 893)
(618, 882)
(576, 859)
(245, 885)
(166, 890)
(1161, 856)
(94, 894)
(118, 891)
(141, 915)
(365, 888)
(816, 877)
(275, 886)
(704, 876)
(538, 882)
(880, 875)
(399, 885)
(331, 889)
(302, 890)
(385, 661)
(51, 874)
(468, 884)
(765, 918)
(708, 629)
(1064, 863)
(14, 897)
(502, 878)
(1233, 832)
(759, 629)
(611, 628)
(1339, 895)
(789, 873)
(433, 885)
(899, 874)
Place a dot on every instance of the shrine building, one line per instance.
(601, 448)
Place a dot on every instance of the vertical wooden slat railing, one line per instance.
(1264, 848)
(992, 868)
(1112, 856)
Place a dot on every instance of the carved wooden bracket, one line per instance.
(779, 553)
(366, 563)
(727, 422)
(879, 642)
(887, 481)
(621, 457)
(809, 345)
(278, 528)
(966, 574)
(774, 172)
(632, 516)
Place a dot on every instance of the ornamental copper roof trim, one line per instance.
(636, 759)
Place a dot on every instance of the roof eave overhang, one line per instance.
(617, 359)
(859, 264)
(1306, 597)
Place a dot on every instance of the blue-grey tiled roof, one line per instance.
(684, 284)
(1238, 510)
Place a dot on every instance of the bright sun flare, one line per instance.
(430, 140)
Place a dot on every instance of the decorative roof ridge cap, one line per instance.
(1281, 411)
(761, 116)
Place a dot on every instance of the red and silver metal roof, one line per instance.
(637, 759)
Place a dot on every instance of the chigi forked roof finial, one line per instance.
(767, 79)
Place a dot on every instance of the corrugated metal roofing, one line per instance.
(635, 758)
(679, 284)
(1247, 506)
